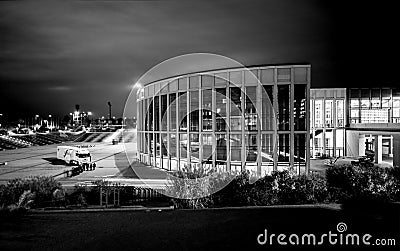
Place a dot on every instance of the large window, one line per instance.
(207, 110)
(299, 148)
(172, 112)
(207, 149)
(151, 115)
(267, 117)
(194, 111)
(251, 147)
(236, 147)
(182, 100)
(283, 147)
(299, 112)
(318, 113)
(164, 107)
(194, 147)
(284, 107)
(236, 110)
(220, 107)
(328, 113)
(251, 116)
(267, 148)
(340, 113)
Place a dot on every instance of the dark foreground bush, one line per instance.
(342, 184)
(31, 192)
(360, 183)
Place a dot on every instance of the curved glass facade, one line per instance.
(233, 119)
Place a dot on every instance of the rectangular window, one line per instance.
(221, 79)
(164, 107)
(173, 151)
(207, 81)
(365, 104)
(328, 113)
(221, 148)
(354, 103)
(251, 116)
(236, 108)
(151, 115)
(299, 107)
(236, 147)
(194, 111)
(173, 86)
(375, 103)
(164, 151)
(207, 110)
(183, 145)
(182, 119)
(207, 149)
(318, 113)
(340, 113)
(182, 84)
(235, 78)
(267, 148)
(194, 147)
(194, 82)
(284, 75)
(284, 107)
(300, 75)
(300, 148)
(250, 77)
(267, 76)
(156, 113)
(220, 109)
(172, 112)
(283, 147)
(251, 147)
(267, 117)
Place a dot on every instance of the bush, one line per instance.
(361, 183)
(42, 187)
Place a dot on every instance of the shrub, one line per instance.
(362, 183)
(42, 187)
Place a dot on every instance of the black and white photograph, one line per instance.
(199, 125)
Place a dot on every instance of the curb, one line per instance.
(104, 209)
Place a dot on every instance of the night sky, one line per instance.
(56, 55)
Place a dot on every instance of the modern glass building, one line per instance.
(253, 118)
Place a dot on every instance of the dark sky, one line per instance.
(56, 55)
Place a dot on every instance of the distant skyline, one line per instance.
(56, 55)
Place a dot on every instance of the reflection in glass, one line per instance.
(207, 150)
(299, 107)
(220, 109)
(267, 148)
(283, 107)
(267, 107)
(236, 109)
(251, 116)
(156, 113)
(283, 147)
(182, 100)
(236, 147)
(206, 110)
(251, 147)
(172, 112)
(194, 111)
(164, 107)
